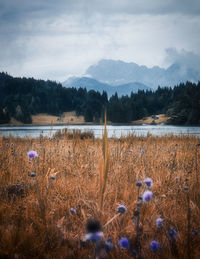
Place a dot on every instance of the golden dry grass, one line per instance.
(35, 218)
(65, 118)
(46, 119)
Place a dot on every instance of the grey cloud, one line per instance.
(40, 36)
(13, 10)
(184, 58)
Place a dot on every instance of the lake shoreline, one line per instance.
(116, 131)
(95, 124)
(70, 118)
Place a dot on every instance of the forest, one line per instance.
(22, 97)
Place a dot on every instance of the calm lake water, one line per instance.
(113, 131)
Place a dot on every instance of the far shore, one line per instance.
(70, 118)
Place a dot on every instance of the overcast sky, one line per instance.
(51, 39)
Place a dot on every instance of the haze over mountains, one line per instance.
(121, 77)
(93, 84)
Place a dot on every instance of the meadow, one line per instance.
(47, 200)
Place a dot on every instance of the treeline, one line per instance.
(22, 97)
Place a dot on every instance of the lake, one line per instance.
(113, 131)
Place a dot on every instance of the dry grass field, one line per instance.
(66, 118)
(46, 119)
(93, 177)
(71, 118)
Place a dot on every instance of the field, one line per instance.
(47, 201)
(71, 118)
(46, 119)
(66, 118)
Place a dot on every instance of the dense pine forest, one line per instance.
(22, 97)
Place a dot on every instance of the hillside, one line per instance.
(46, 119)
(93, 84)
(65, 118)
(24, 98)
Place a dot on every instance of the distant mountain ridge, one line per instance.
(117, 72)
(93, 84)
(121, 77)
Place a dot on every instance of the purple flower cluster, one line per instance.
(154, 245)
(139, 184)
(124, 243)
(172, 233)
(32, 154)
(121, 209)
(33, 174)
(148, 182)
(94, 237)
(53, 177)
(93, 228)
(147, 196)
(108, 245)
(159, 222)
(73, 211)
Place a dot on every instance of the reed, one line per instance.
(104, 166)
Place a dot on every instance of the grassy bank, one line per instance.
(36, 216)
(47, 119)
(71, 118)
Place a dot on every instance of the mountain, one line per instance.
(93, 84)
(117, 72)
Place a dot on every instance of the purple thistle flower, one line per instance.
(148, 182)
(195, 232)
(93, 226)
(108, 245)
(133, 252)
(93, 229)
(172, 233)
(159, 222)
(131, 150)
(32, 154)
(139, 184)
(154, 245)
(147, 196)
(12, 145)
(124, 243)
(73, 211)
(53, 177)
(94, 237)
(121, 209)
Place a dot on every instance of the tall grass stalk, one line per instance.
(196, 163)
(104, 166)
(188, 225)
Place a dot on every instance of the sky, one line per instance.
(50, 39)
